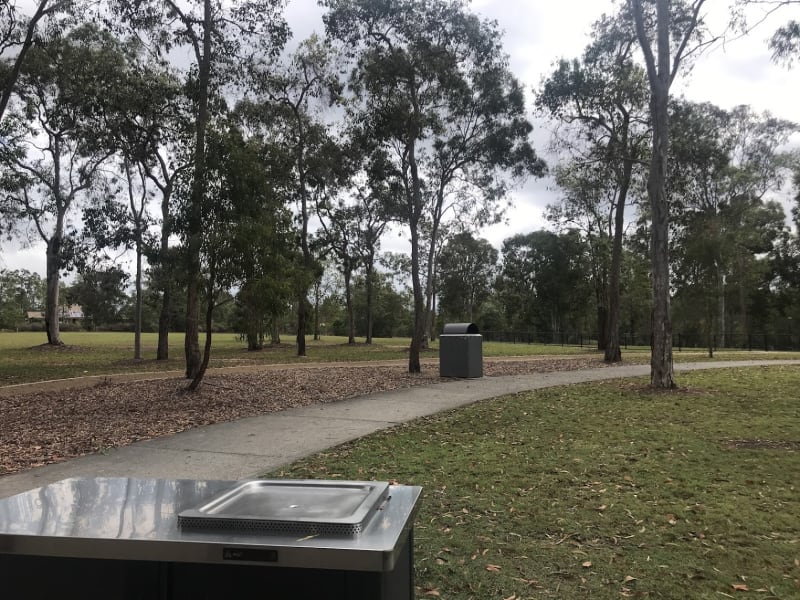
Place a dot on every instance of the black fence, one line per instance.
(767, 342)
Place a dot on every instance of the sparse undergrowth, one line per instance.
(605, 490)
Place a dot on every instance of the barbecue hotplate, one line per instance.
(303, 507)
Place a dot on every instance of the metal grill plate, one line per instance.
(301, 507)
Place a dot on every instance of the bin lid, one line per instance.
(450, 328)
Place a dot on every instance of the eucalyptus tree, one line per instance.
(248, 242)
(372, 223)
(224, 41)
(286, 105)
(601, 100)
(60, 144)
(20, 291)
(339, 236)
(151, 130)
(785, 40)
(588, 203)
(668, 33)
(542, 281)
(726, 164)
(19, 32)
(431, 84)
(467, 268)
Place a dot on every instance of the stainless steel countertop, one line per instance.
(136, 519)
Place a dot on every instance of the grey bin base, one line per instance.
(461, 356)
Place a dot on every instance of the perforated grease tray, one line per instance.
(293, 507)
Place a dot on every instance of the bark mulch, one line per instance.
(40, 428)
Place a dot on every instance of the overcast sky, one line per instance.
(539, 32)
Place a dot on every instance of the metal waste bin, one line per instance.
(124, 539)
(461, 351)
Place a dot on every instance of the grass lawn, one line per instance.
(23, 358)
(604, 490)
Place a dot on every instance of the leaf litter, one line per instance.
(45, 427)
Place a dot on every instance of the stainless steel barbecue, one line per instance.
(118, 538)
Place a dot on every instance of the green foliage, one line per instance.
(20, 291)
(249, 239)
(467, 268)
(543, 282)
(724, 164)
(605, 490)
(101, 295)
(391, 315)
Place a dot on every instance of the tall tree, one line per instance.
(150, 127)
(725, 164)
(20, 291)
(602, 98)
(542, 282)
(433, 89)
(287, 106)
(225, 40)
(247, 243)
(467, 266)
(666, 39)
(63, 84)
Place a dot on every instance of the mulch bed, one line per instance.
(41, 428)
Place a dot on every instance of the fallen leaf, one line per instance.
(671, 519)
(432, 593)
(586, 564)
(602, 507)
(493, 568)
(740, 587)
(628, 579)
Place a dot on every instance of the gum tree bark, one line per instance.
(662, 67)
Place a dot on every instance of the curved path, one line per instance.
(251, 446)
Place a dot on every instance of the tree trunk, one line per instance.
(613, 351)
(302, 318)
(317, 294)
(659, 75)
(419, 305)
(201, 370)
(164, 323)
(137, 334)
(368, 281)
(721, 307)
(194, 220)
(164, 317)
(51, 302)
(275, 337)
(348, 301)
(661, 369)
(418, 334)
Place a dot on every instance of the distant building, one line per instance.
(72, 314)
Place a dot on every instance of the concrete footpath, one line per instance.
(249, 447)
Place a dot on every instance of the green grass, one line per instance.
(23, 358)
(604, 490)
